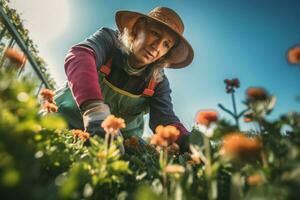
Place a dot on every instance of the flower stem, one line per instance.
(212, 190)
(106, 142)
(236, 192)
(165, 180)
(235, 110)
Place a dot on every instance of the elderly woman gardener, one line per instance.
(122, 73)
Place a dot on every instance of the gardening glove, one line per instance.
(94, 113)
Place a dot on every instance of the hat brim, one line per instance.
(180, 56)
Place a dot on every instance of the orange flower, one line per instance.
(131, 142)
(255, 180)
(165, 135)
(247, 120)
(248, 117)
(112, 124)
(237, 146)
(231, 84)
(158, 141)
(169, 133)
(294, 55)
(76, 132)
(206, 117)
(50, 107)
(235, 83)
(15, 56)
(172, 169)
(48, 95)
(81, 134)
(84, 136)
(256, 94)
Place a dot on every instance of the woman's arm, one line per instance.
(161, 111)
(82, 61)
(80, 68)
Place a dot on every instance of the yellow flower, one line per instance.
(102, 154)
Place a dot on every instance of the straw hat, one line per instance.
(179, 56)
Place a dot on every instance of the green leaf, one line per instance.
(120, 166)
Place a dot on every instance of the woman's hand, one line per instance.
(94, 113)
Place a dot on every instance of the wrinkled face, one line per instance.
(152, 41)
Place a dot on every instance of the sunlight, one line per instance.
(46, 20)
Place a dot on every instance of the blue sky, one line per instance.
(243, 39)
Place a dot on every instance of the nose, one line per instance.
(157, 45)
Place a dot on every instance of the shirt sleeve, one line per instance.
(81, 65)
(161, 109)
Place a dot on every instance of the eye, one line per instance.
(156, 34)
(166, 45)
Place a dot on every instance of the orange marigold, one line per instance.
(165, 135)
(206, 117)
(84, 136)
(158, 141)
(47, 95)
(247, 120)
(169, 133)
(240, 147)
(50, 107)
(76, 132)
(81, 134)
(248, 117)
(256, 94)
(132, 141)
(113, 124)
(255, 180)
(171, 169)
(231, 84)
(15, 56)
(293, 55)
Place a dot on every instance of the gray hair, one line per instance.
(126, 44)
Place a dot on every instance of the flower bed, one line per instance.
(42, 159)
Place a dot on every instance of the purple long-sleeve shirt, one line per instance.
(85, 58)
